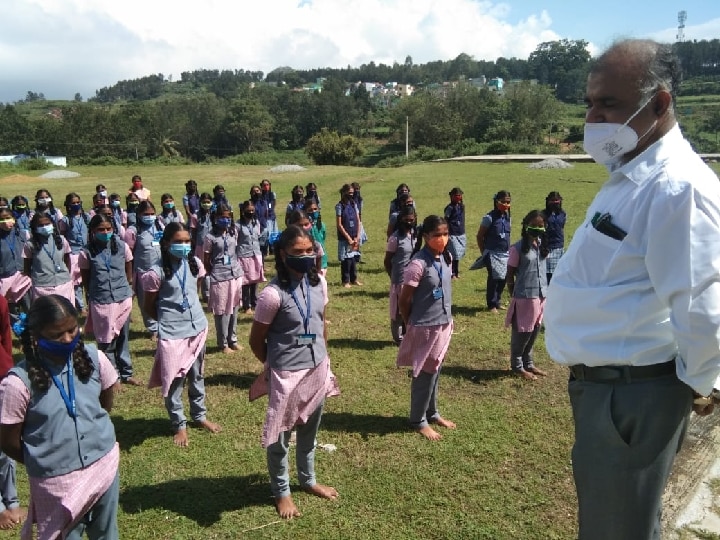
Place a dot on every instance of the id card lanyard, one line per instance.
(52, 255)
(185, 302)
(306, 338)
(69, 396)
(437, 291)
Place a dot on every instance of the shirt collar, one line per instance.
(642, 167)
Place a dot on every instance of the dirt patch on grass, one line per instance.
(13, 178)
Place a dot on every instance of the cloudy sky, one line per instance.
(60, 47)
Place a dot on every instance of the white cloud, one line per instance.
(707, 30)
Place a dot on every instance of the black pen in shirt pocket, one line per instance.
(602, 223)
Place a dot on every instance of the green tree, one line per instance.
(432, 122)
(563, 65)
(247, 126)
(331, 148)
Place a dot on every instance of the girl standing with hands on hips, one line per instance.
(171, 298)
(54, 419)
(225, 277)
(425, 306)
(106, 267)
(527, 284)
(289, 337)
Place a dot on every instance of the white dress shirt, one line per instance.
(656, 294)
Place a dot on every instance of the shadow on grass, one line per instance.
(364, 344)
(202, 500)
(236, 380)
(357, 291)
(467, 311)
(134, 431)
(476, 376)
(364, 424)
(366, 269)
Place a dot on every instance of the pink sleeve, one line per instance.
(413, 273)
(123, 218)
(268, 304)
(83, 261)
(130, 238)
(319, 251)
(514, 258)
(392, 244)
(128, 253)
(207, 246)
(323, 284)
(28, 251)
(108, 375)
(150, 281)
(62, 226)
(193, 221)
(66, 246)
(201, 269)
(15, 400)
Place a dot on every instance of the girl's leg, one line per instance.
(421, 390)
(232, 339)
(499, 288)
(455, 267)
(305, 449)
(174, 406)
(205, 288)
(490, 287)
(253, 295)
(352, 269)
(102, 518)
(221, 324)
(79, 297)
(150, 324)
(277, 463)
(518, 346)
(246, 297)
(123, 361)
(345, 269)
(527, 358)
(8, 483)
(196, 389)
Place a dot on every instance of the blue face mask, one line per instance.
(300, 263)
(115, 204)
(58, 348)
(314, 215)
(44, 230)
(75, 208)
(223, 222)
(147, 220)
(181, 251)
(103, 236)
(169, 205)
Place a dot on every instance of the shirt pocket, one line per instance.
(595, 257)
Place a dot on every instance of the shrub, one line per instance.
(34, 164)
(330, 148)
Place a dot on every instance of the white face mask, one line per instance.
(607, 142)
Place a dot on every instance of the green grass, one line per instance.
(503, 474)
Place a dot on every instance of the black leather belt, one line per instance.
(612, 374)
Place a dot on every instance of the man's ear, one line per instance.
(663, 101)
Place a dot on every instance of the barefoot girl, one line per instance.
(290, 337)
(527, 284)
(106, 266)
(249, 255)
(425, 301)
(398, 253)
(47, 260)
(225, 277)
(54, 419)
(171, 299)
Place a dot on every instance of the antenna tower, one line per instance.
(682, 17)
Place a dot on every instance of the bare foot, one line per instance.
(537, 371)
(525, 374)
(440, 421)
(286, 508)
(10, 518)
(357, 283)
(347, 285)
(181, 439)
(324, 492)
(154, 337)
(132, 381)
(493, 310)
(209, 426)
(429, 433)
(248, 311)
(227, 350)
(235, 347)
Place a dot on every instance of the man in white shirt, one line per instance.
(634, 305)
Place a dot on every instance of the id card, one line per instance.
(306, 339)
(437, 293)
(185, 304)
(156, 239)
(226, 260)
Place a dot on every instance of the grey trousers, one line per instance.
(118, 351)
(8, 483)
(225, 329)
(626, 438)
(196, 396)
(521, 347)
(100, 523)
(277, 456)
(423, 399)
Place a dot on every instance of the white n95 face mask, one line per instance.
(607, 142)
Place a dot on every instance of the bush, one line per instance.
(34, 164)
(498, 147)
(330, 148)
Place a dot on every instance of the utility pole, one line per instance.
(407, 137)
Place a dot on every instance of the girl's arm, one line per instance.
(27, 266)
(388, 262)
(341, 229)
(510, 279)
(107, 397)
(66, 259)
(481, 237)
(11, 441)
(150, 304)
(128, 273)
(258, 335)
(85, 275)
(405, 302)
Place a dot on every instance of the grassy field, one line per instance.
(503, 474)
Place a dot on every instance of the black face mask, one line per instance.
(255, 196)
(297, 196)
(249, 215)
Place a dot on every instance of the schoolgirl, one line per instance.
(398, 252)
(289, 337)
(455, 217)
(297, 202)
(171, 298)
(106, 267)
(219, 196)
(348, 226)
(405, 199)
(97, 202)
(47, 260)
(106, 210)
(132, 203)
(493, 240)
(221, 263)
(55, 419)
(144, 241)
(527, 284)
(74, 227)
(169, 213)
(311, 194)
(102, 194)
(44, 205)
(4, 203)
(555, 218)
(395, 204)
(191, 199)
(119, 215)
(425, 306)
(141, 192)
(14, 285)
(21, 211)
(267, 196)
(318, 231)
(200, 225)
(300, 219)
(358, 201)
(249, 255)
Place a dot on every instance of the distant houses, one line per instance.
(58, 161)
